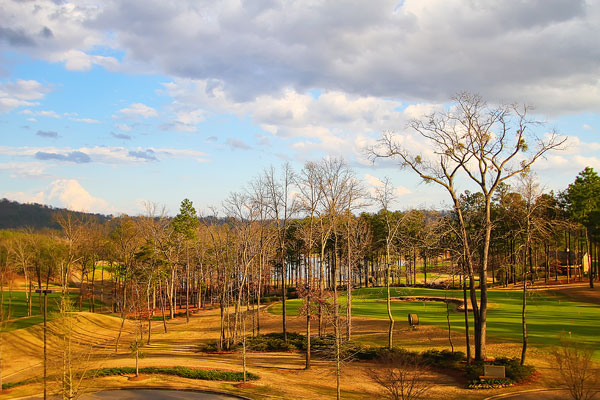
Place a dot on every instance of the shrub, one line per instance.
(10, 385)
(443, 359)
(515, 372)
(275, 342)
(184, 372)
(209, 347)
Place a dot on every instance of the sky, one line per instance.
(106, 105)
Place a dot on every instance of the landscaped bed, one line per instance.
(184, 372)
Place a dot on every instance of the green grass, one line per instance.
(548, 316)
(18, 309)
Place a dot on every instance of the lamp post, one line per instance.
(45, 291)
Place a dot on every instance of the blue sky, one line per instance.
(106, 105)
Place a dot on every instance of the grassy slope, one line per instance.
(18, 312)
(547, 316)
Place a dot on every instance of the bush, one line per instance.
(184, 372)
(209, 347)
(442, 359)
(515, 372)
(275, 342)
(10, 385)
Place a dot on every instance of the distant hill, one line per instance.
(14, 215)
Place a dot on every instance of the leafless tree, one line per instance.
(282, 206)
(489, 145)
(335, 180)
(384, 196)
(576, 368)
(310, 197)
(401, 377)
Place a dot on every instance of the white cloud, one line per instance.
(41, 113)
(85, 120)
(418, 49)
(373, 181)
(8, 104)
(76, 60)
(401, 190)
(103, 154)
(24, 170)
(56, 32)
(328, 123)
(237, 144)
(422, 50)
(20, 93)
(124, 127)
(587, 127)
(186, 119)
(138, 110)
(70, 193)
(67, 193)
(47, 113)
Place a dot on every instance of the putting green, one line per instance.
(548, 315)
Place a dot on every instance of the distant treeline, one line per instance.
(14, 215)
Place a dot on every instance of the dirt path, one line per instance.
(580, 292)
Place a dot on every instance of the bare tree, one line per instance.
(310, 196)
(384, 196)
(489, 145)
(282, 206)
(243, 213)
(402, 377)
(335, 180)
(576, 368)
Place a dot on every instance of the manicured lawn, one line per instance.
(18, 309)
(547, 316)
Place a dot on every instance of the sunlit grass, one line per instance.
(548, 316)
(17, 317)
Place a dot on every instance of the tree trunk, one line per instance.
(466, 312)
(308, 300)
(588, 239)
(122, 318)
(523, 317)
(162, 305)
(448, 321)
(187, 283)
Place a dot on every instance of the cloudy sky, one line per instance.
(106, 104)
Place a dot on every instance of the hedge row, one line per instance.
(184, 372)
